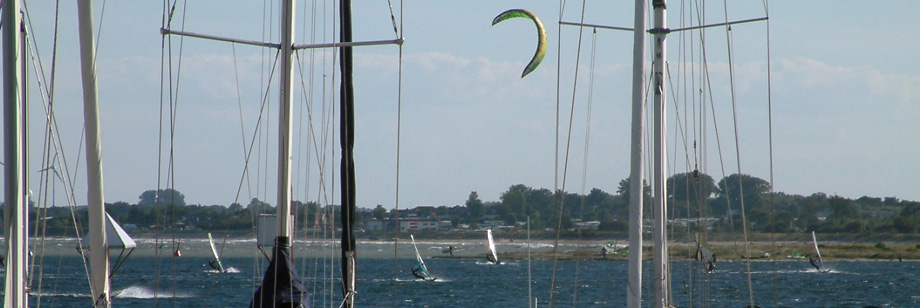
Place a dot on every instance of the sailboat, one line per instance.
(492, 256)
(281, 285)
(659, 79)
(104, 233)
(818, 263)
(216, 262)
(420, 271)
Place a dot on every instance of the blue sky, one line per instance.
(845, 99)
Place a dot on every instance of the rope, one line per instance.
(770, 136)
(731, 69)
(584, 171)
(398, 144)
(561, 192)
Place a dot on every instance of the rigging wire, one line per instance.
(584, 172)
(731, 70)
(770, 136)
(171, 102)
(398, 138)
(561, 192)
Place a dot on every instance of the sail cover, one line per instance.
(281, 287)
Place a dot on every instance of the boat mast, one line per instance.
(634, 286)
(16, 210)
(347, 138)
(659, 168)
(98, 246)
(285, 218)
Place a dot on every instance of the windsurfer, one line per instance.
(814, 263)
(417, 274)
(492, 259)
(213, 264)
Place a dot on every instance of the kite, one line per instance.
(541, 35)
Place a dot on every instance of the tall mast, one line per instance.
(98, 247)
(285, 220)
(634, 286)
(659, 168)
(347, 126)
(16, 210)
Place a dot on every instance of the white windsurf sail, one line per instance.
(818, 263)
(421, 271)
(493, 255)
(216, 262)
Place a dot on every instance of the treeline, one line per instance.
(696, 202)
(166, 211)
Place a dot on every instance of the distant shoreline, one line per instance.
(590, 249)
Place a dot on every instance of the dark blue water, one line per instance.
(187, 282)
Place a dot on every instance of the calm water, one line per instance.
(187, 282)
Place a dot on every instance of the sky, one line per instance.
(844, 92)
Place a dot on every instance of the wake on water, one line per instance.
(230, 270)
(145, 292)
(502, 263)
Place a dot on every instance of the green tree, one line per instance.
(162, 197)
(752, 190)
(904, 224)
(691, 189)
(843, 208)
(513, 203)
(378, 212)
(475, 207)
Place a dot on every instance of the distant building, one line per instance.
(417, 225)
(376, 225)
(587, 225)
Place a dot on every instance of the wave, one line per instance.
(229, 270)
(145, 293)
(45, 294)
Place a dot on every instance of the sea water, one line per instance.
(148, 280)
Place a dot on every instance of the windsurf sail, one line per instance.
(420, 271)
(817, 263)
(216, 262)
(493, 255)
(706, 256)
